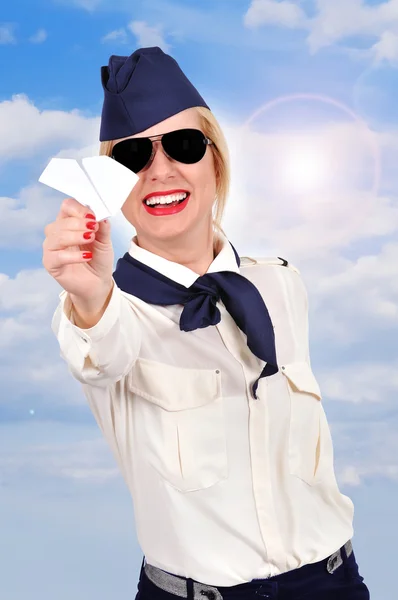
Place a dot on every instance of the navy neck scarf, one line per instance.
(240, 297)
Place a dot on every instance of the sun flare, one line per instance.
(304, 168)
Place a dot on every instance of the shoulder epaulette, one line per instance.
(248, 261)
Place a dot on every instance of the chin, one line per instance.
(170, 233)
(164, 231)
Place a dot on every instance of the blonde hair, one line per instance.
(211, 128)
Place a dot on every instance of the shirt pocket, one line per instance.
(305, 427)
(180, 420)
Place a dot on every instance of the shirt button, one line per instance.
(217, 371)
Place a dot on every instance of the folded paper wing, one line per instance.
(112, 181)
(102, 184)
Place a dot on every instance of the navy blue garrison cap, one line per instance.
(141, 90)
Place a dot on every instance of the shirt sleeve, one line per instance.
(105, 353)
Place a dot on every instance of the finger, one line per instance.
(64, 238)
(57, 231)
(84, 223)
(72, 208)
(103, 234)
(71, 224)
(68, 257)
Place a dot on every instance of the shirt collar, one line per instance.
(224, 261)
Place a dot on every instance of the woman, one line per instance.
(196, 364)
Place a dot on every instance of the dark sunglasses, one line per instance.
(187, 146)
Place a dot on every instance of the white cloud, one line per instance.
(85, 461)
(333, 22)
(25, 302)
(46, 128)
(351, 476)
(148, 35)
(271, 12)
(352, 300)
(117, 35)
(360, 294)
(79, 152)
(359, 382)
(39, 37)
(341, 19)
(7, 34)
(386, 48)
(27, 215)
(30, 291)
(365, 450)
(309, 191)
(145, 35)
(356, 476)
(51, 133)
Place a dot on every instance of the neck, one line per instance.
(194, 251)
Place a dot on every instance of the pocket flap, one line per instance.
(301, 376)
(174, 388)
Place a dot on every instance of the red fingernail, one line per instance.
(87, 255)
(87, 235)
(90, 216)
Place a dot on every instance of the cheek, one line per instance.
(204, 181)
(133, 199)
(130, 207)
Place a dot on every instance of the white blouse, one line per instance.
(226, 488)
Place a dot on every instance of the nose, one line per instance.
(161, 166)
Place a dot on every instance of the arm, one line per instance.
(104, 352)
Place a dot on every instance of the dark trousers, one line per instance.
(310, 582)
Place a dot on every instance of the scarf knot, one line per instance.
(200, 309)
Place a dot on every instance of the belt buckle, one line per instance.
(206, 591)
(210, 594)
(336, 559)
(334, 562)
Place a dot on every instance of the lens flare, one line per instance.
(306, 167)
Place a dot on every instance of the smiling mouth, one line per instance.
(166, 201)
(163, 209)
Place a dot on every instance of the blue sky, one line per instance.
(314, 180)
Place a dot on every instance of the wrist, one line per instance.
(87, 312)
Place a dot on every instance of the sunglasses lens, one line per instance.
(133, 153)
(185, 145)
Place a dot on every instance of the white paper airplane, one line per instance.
(102, 184)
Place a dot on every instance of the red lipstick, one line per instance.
(162, 210)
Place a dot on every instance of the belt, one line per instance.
(177, 585)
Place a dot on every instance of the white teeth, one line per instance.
(165, 199)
